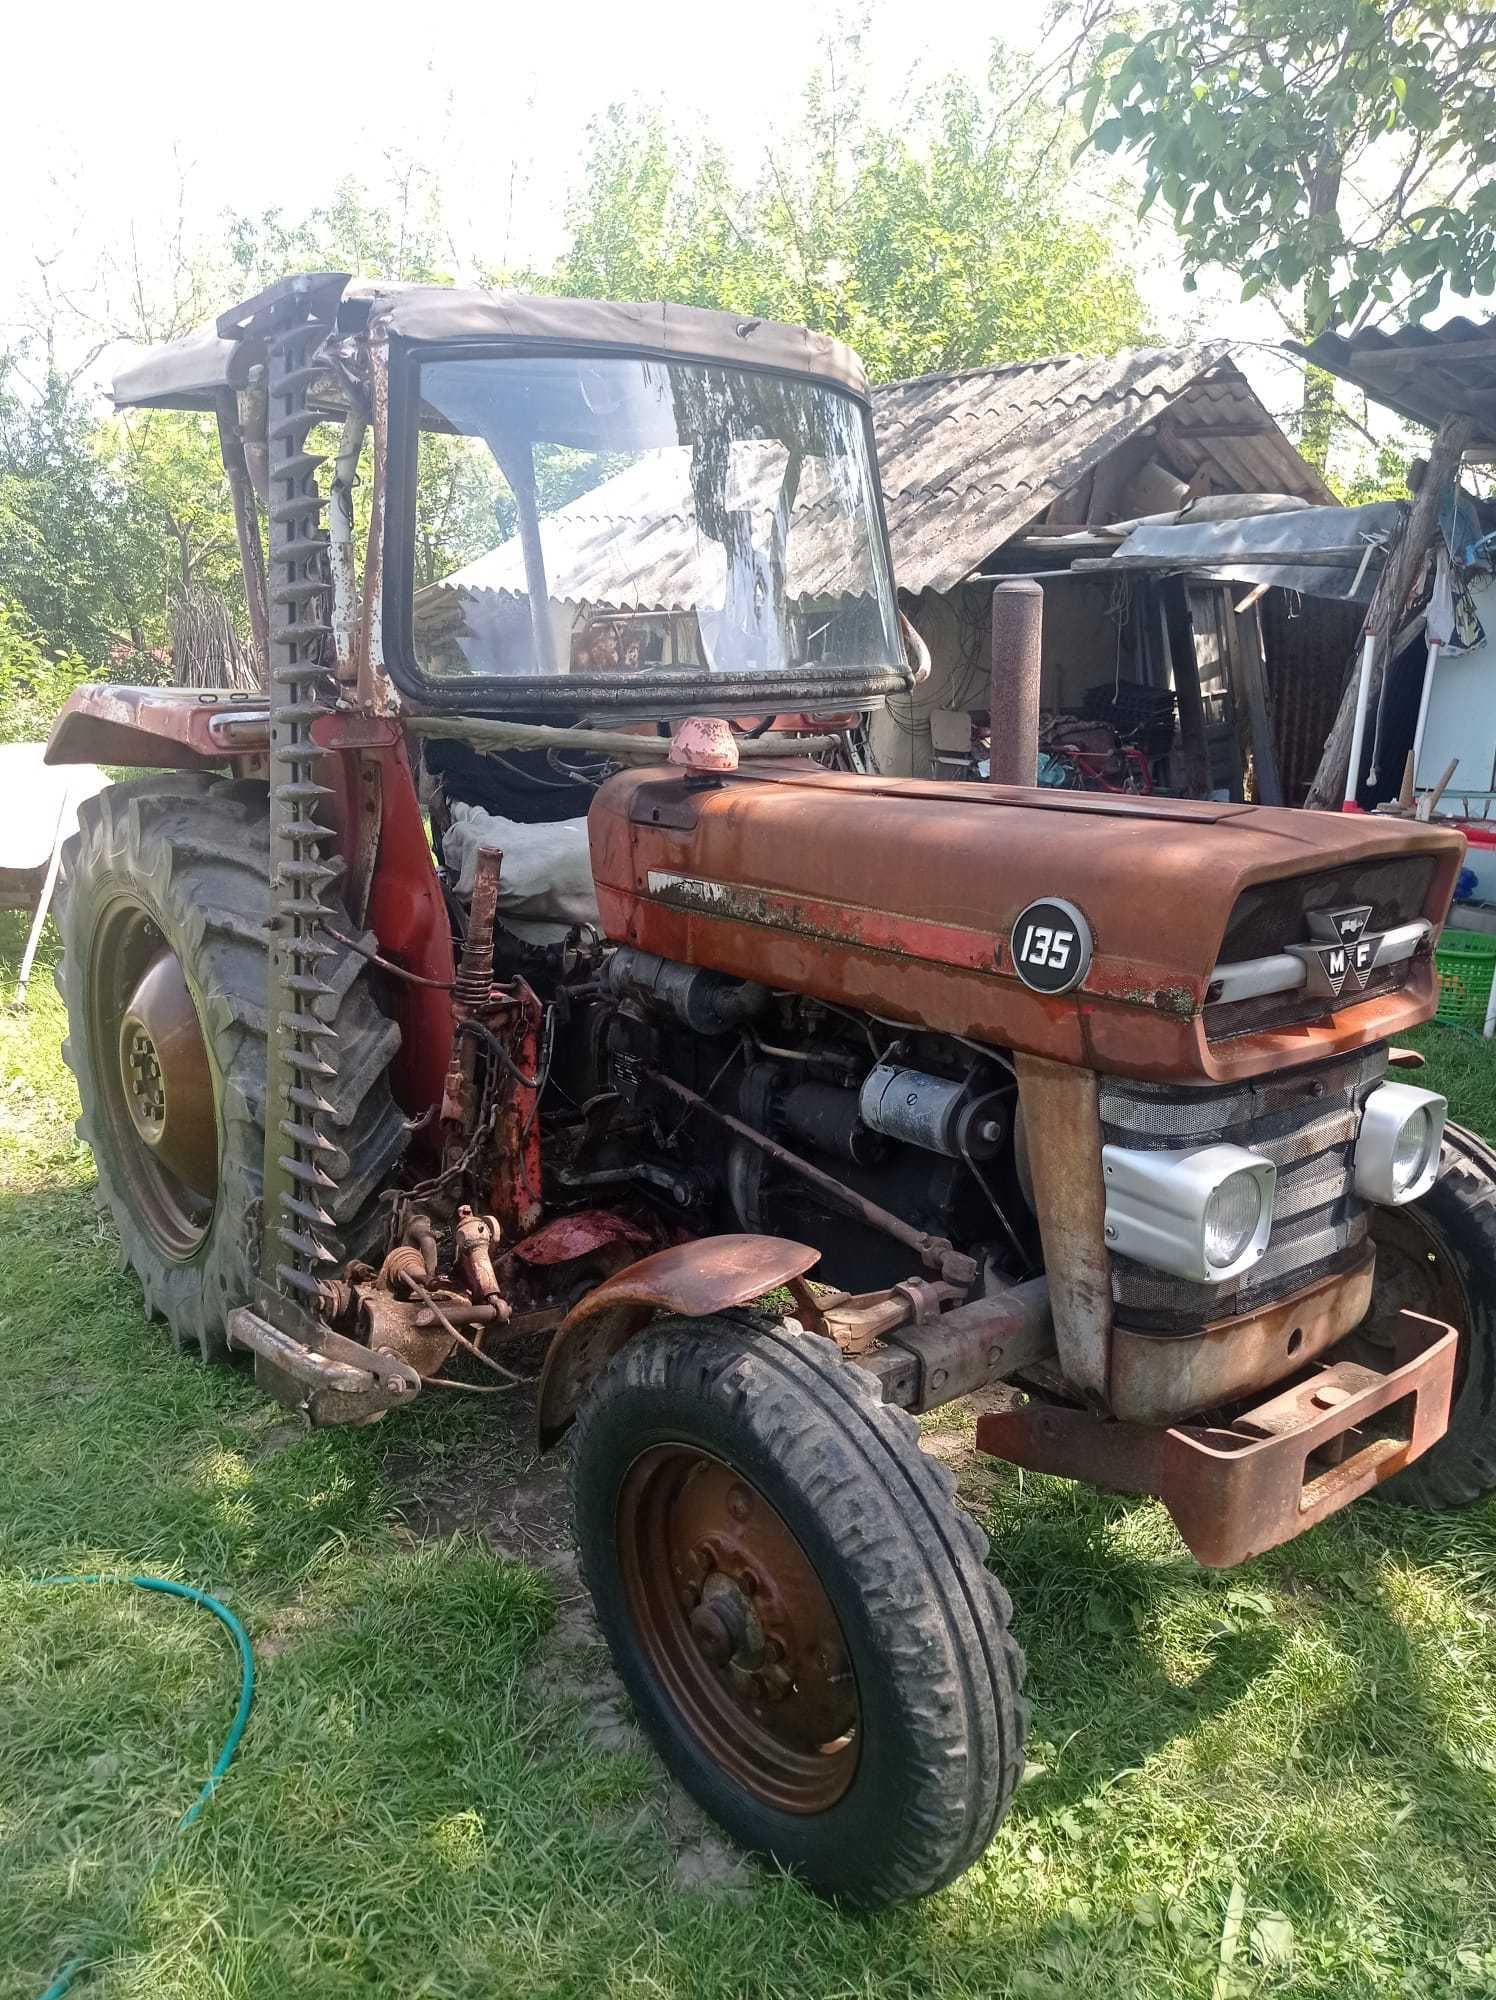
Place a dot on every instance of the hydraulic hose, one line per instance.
(64, 1980)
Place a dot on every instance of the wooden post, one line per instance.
(1179, 651)
(1249, 691)
(1399, 572)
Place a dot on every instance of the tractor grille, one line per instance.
(1273, 915)
(1305, 1121)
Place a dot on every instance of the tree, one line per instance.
(1336, 153)
(944, 242)
(75, 552)
(34, 682)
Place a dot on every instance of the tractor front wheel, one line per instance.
(1437, 1256)
(798, 1609)
(163, 905)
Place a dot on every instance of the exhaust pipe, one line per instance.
(1017, 636)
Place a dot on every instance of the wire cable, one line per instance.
(167, 1588)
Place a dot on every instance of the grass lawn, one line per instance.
(1279, 1781)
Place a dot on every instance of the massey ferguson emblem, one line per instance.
(1343, 953)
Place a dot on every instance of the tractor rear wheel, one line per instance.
(1437, 1256)
(162, 907)
(799, 1611)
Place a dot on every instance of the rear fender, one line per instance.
(156, 728)
(691, 1280)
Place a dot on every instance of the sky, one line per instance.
(201, 108)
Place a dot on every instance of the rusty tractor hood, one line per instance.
(899, 897)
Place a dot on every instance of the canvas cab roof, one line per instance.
(191, 373)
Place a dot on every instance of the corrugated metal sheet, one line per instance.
(634, 543)
(1425, 373)
(969, 460)
(1321, 551)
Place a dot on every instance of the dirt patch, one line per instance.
(503, 1491)
(705, 1864)
(288, 1628)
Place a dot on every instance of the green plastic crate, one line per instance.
(1467, 965)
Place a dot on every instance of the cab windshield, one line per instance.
(606, 516)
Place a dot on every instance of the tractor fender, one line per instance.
(162, 728)
(692, 1280)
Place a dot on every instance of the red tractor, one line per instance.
(537, 960)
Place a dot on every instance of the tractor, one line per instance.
(537, 982)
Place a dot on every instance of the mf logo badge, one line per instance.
(1344, 953)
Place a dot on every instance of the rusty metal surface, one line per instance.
(392, 1326)
(1062, 1126)
(165, 1078)
(1280, 1466)
(778, 878)
(307, 1367)
(168, 728)
(1161, 1378)
(408, 916)
(692, 1279)
(1017, 652)
(974, 1345)
(737, 1629)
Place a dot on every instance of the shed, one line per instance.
(1022, 469)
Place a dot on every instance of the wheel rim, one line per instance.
(150, 1060)
(737, 1627)
(1413, 1273)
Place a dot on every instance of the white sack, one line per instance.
(547, 870)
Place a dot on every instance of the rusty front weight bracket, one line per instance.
(1277, 1467)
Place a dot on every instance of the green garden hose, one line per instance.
(222, 1613)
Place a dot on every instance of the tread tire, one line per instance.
(926, 1624)
(194, 850)
(1458, 1215)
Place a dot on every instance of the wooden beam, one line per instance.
(1384, 614)
(1184, 666)
(1249, 691)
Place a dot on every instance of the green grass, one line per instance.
(1463, 1067)
(421, 1806)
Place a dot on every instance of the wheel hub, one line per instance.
(736, 1622)
(148, 1055)
(166, 1082)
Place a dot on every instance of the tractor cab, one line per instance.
(566, 507)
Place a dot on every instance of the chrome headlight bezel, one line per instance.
(1384, 1117)
(1156, 1203)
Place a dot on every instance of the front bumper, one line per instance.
(1273, 1468)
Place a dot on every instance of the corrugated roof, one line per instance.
(1425, 373)
(634, 542)
(969, 460)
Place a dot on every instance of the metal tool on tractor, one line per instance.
(538, 960)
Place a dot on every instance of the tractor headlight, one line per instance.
(1205, 1214)
(1397, 1152)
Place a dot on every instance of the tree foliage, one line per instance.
(943, 239)
(948, 242)
(1343, 151)
(34, 680)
